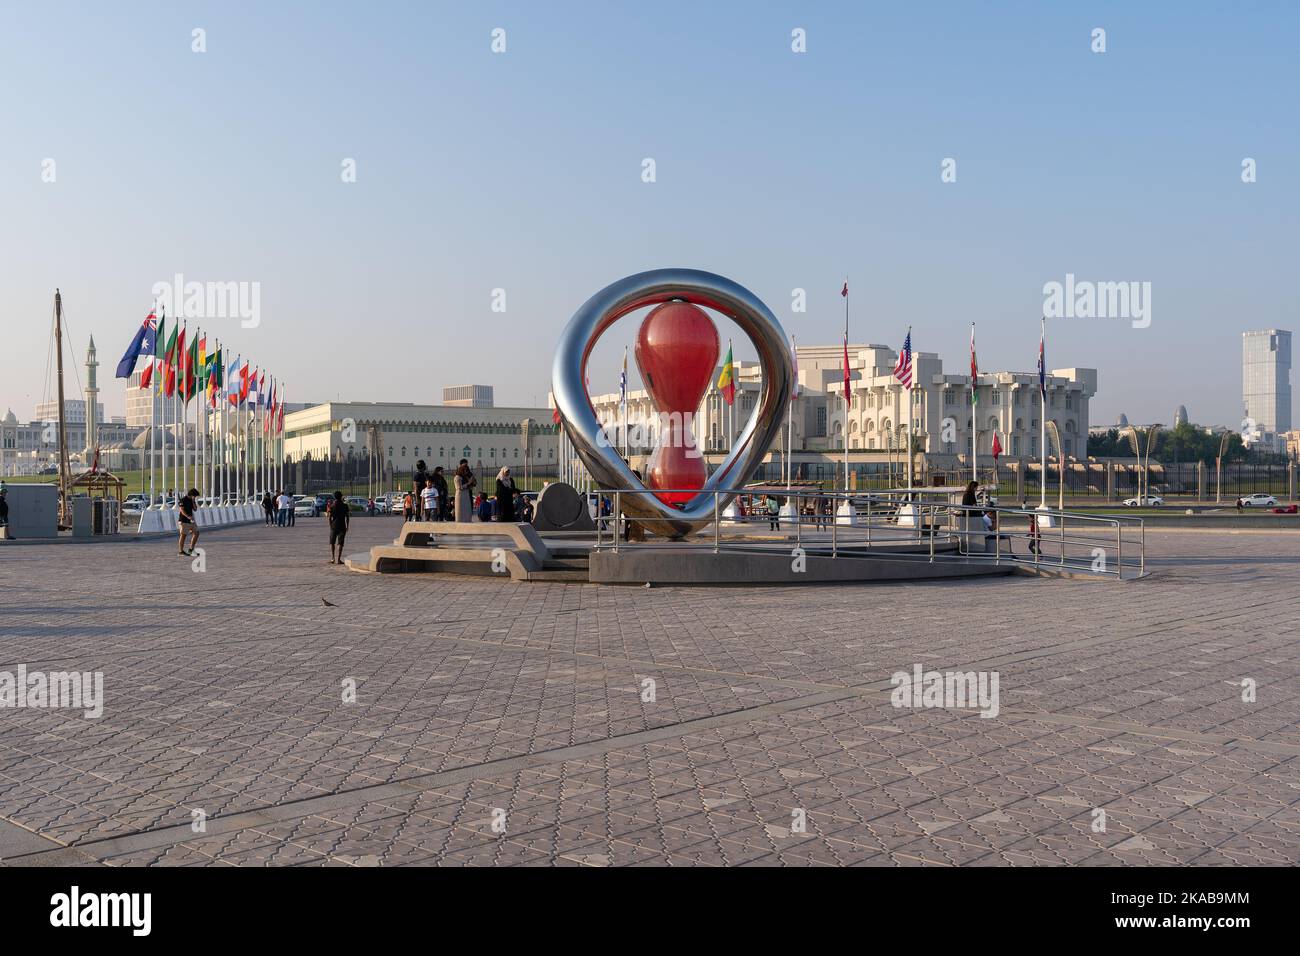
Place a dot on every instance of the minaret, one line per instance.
(92, 405)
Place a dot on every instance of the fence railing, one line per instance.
(917, 525)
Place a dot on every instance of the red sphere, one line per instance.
(677, 350)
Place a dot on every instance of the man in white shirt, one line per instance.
(285, 504)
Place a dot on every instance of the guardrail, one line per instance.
(899, 522)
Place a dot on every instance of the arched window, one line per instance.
(390, 451)
(442, 451)
(403, 451)
(465, 452)
(552, 454)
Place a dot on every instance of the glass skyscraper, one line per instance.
(1266, 379)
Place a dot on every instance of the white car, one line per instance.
(1144, 501)
(383, 505)
(1259, 500)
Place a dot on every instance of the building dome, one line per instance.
(11, 418)
(145, 439)
(1180, 416)
(1121, 421)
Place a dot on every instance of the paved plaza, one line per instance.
(502, 723)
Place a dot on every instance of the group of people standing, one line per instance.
(279, 509)
(432, 499)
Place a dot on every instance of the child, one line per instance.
(429, 498)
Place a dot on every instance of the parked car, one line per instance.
(135, 504)
(1288, 510)
(1144, 501)
(358, 505)
(322, 502)
(383, 505)
(1259, 500)
(305, 507)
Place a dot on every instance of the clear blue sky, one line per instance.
(523, 171)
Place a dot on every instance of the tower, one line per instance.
(92, 404)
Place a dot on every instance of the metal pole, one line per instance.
(716, 523)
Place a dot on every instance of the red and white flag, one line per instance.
(903, 367)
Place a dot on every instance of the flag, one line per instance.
(1042, 364)
(250, 390)
(727, 380)
(280, 424)
(845, 291)
(232, 382)
(555, 415)
(146, 374)
(903, 368)
(215, 377)
(261, 390)
(974, 367)
(243, 384)
(142, 344)
(846, 365)
(622, 383)
(997, 446)
(168, 382)
(191, 365)
(202, 367)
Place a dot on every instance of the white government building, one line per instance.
(877, 421)
(489, 437)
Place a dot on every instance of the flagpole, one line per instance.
(846, 390)
(974, 411)
(907, 397)
(153, 415)
(1042, 417)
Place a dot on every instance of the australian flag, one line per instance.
(144, 343)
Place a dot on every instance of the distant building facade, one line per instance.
(877, 420)
(75, 407)
(1266, 384)
(437, 434)
(468, 396)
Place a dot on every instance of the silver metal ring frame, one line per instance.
(606, 466)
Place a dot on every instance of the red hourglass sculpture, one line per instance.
(676, 351)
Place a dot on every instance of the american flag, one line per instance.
(903, 370)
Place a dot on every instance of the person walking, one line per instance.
(429, 499)
(408, 506)
(465, 482)
(4, 505)
(773, 513)
(418, 481)
(292, 511)
(339, 522)
(505, 491)
(186, 523)
(444, 496)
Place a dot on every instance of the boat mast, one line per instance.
(65, 517)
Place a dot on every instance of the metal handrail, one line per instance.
(934, 523)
